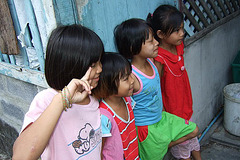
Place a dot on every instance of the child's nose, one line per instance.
(182, 32)
(156, 42)
(99, 69)
(131, 78)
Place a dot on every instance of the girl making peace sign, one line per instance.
(63, 122)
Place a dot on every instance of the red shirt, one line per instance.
(175, 86)
(128, 132)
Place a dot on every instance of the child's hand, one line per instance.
(80, 88)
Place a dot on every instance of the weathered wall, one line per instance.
(103, 16)
(15, 98)
(100, 16)
(208, 62)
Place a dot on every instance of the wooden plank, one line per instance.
(7, 31)
(35, 33)
(234, 5)
(221, 5)
(23, 74)
(12, 59)
(191, 18)
(198, 12)
(6, 58)
(17, 27)
(215, 8)
(188, 30)
(1, 56)
(228, 6)
(207, 10)
(66, 12)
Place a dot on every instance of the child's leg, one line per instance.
(184, 138)
(187, 149)
(185, 159)
(196, 155)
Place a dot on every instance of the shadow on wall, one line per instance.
(7, 137)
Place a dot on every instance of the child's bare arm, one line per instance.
(159, 67)
(103, 142)
(33, 140)
(136, 84)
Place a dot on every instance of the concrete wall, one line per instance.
(208, 62)
(15, 99)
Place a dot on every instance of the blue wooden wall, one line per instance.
(99, 15)
(103, 15)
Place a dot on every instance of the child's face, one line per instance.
(175, 37)
(125, 88)
(95, 73)
(149, 47)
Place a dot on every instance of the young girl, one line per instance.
(118, 124)
(156, 130)
(167, 23)
(72, 69)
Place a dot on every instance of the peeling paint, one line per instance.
(80, 5)
(27, 75)
(50, 16)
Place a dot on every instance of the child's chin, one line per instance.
(94, 85)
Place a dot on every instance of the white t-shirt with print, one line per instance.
(78, 132)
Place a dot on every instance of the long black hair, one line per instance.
(166, 18)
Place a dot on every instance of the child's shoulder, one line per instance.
(45, 94)
(106, 113)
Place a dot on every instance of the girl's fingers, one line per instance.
(80, 87)
(84, 85)
(87, 74)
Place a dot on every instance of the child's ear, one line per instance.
(160, 34)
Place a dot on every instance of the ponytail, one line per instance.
(149, 18)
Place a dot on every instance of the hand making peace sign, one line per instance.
(80, 88)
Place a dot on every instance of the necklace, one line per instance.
(176, 75)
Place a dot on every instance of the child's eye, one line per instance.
(177, 30)
(125, 79)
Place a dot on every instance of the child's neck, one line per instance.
(113, 100)
(170, 48)
(139, 62)
(143, 65)
(118, 105)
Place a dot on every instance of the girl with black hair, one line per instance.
(168, 27)
(118, 124)
(157, 130)
(72, 70)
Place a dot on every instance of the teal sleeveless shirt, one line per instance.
(148, 109)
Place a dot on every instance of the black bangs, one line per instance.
(71, 50)
(130, 35)
(114, 68)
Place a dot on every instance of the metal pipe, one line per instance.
(209, 126)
